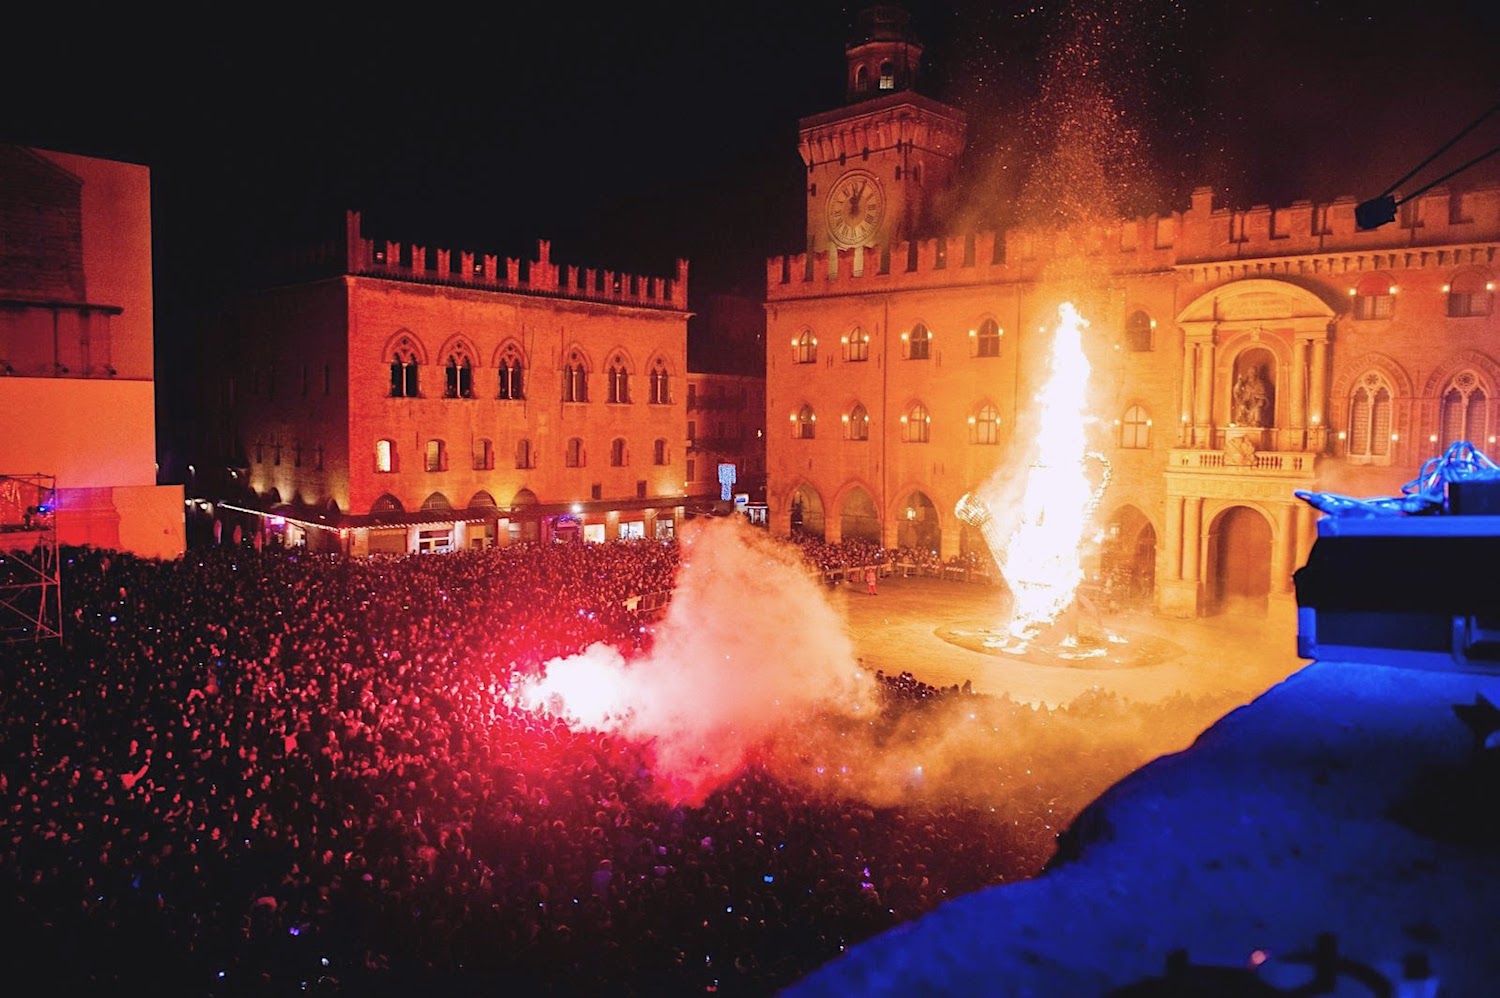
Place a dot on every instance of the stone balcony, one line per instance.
(1296, 464)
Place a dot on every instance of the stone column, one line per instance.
(1317, 393)
(1282, 550)
(948, 545)
(1173, 567)
(1203, 398)
(833, 528)
(890, 532)
(1299, 413)
(1185, 411)
(1192, 537)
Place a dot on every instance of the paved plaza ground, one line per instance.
(945, 632)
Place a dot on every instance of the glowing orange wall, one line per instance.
(117, 253)
(89, 433)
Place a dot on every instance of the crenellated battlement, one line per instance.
(1444, 226)
(489, 272)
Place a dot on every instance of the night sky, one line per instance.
(634, 134)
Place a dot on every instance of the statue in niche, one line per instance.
(1251, 399)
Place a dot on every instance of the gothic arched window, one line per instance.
(1369, 434)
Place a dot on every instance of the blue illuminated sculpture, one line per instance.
(1394, 581)
(1429, 492)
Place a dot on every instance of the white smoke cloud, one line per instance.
(750, 646)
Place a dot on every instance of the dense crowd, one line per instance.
(251, 772)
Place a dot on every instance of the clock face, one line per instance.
(855, 207)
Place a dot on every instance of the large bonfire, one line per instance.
(1041, 557)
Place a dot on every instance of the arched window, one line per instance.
(510, 375)
(806, 347)
(861, 78)
(986, 423)
(857, 346)
(1138, 327)
(437, 455)
(523, 453)
(1369, 434)
(661, 393)
(857, 426)
(385, 455)
(1470, 293)
(987, 339)
(1135, 429)
(460, 377)
(804, 423)
(659, 452)
(619, 381)
(404, 374)
(1465, 411)
(484, 455)
(1374, 297)
(617, 456)
(573, 457)
(916, 425)
(575, 380)
(918, 342)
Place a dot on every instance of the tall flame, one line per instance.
(1042, 560)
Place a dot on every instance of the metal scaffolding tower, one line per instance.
(30, 586)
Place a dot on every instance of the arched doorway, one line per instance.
(806, 513)
(1239, 569)
(1127, 558)
(858, 519)
(525, 523)
(917, 524)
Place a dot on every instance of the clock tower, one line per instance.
(875, 165)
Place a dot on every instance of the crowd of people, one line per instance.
(245, 771)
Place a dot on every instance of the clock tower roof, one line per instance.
(883, 53)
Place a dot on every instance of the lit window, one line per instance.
(919, 343)
(1471, 293)
(1374, 298)
(575, 380)
(619, 382)
(1138, 332)
(1135, 429)
(987, 425)
(436, 455)
(1369, 434)
(987, 339)
(404, 371)
(660, 388)
(458, 377)
(509, 375)
(385, 455)
(804, 425)
(859, 345)
(806, 346)
(859, 422)
(1465, 411)
(917, 428)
